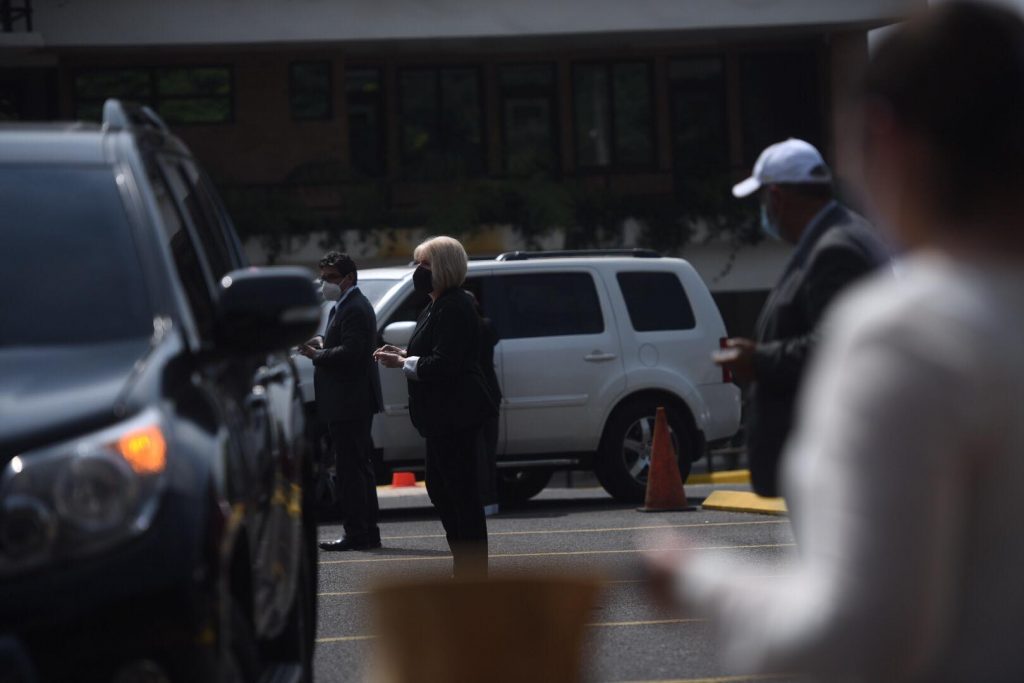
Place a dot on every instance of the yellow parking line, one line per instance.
(569, 553)
(719, 679)
(344, 639)
(602, 624)
(543, 532)
(653, 622)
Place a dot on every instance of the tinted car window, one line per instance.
(203, 214)
(186, 258)
(70, 274)
(656, 301)
(546, 305)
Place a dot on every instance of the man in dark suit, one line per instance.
(834, 247)
(348, 395)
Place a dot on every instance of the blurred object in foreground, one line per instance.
(503, 629)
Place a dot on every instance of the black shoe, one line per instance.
(351, 543)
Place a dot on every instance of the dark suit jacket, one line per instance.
(840, 249)
(346, 379)
(450, 394)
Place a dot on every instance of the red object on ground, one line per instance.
(665, 492)
(400, 479)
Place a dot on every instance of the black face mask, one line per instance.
(423, 280)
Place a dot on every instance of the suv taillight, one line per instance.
(726, 372)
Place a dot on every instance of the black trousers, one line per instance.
(489, 463)
(453, 487)
(356, 485)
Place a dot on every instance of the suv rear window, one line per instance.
(545, 305)
(656, 302)
(70, 274)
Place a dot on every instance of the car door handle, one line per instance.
(598, 356)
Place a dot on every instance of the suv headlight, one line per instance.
(83, 495)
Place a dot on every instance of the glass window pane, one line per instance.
(460, 121)
(527, 76)
(71, 271)
(781, 98)
(590, 100)
(528, 119)
(699, 119)
(126, 84)
(310, 90)
(184, 253)
(656, 301)
(634, 117)
(548, 305)
(420, 109)
(193, 81)
(366, 125)
(196, 110)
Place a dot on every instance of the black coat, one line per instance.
(841, 248)
(346, 378)
(449, 394)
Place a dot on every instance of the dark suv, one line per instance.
(153, 521)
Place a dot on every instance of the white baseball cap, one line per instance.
(790, 161)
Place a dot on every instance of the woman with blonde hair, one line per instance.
(448, 397)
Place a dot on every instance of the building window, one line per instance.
(700, 125)
(529, 119)
(179, 94)
(364, 102)
(309, 90)
(614, 114)
(441, 122)
(781, 98)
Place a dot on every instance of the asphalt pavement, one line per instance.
(583, 530)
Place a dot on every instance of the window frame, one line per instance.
(615, 164)
(329, 115)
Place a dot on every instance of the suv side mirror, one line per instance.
(399, 334)
(266, 309)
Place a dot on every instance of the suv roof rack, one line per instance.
(119, 115)
(569, 253)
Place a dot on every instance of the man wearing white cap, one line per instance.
(834, 247)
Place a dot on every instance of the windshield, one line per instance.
(70, 272)
(374, 290)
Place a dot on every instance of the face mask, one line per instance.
(423, 280)
(331, 291)
(768, 225)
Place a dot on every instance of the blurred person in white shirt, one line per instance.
(905, 470)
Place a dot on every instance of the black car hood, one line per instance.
(55, 392)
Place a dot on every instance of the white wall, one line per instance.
(166, 22)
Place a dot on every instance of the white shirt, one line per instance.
(905, 481)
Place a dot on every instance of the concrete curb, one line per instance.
(744, 501)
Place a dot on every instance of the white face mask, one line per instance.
(331, 291)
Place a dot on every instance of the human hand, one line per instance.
(389, 348)
(737, 357)
(316, 342)
(389, 360)
(308, 351)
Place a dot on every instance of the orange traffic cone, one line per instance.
(665, 492)
(400, 479)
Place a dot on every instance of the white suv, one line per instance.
(591, 344)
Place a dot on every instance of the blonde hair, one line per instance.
(448, 261)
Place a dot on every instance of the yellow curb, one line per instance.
(744, 501)
(389, 487)
(726, 477)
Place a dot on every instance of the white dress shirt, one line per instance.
(905, 482)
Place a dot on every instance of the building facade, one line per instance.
(575, 123)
